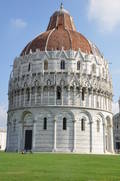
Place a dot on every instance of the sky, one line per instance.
(22, 20)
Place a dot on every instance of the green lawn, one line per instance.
(58, 167)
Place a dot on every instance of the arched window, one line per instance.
(78, 65)
(45, 65)
(93, 68)
(33, 90)
(62, 64)
(98, 126)
(64, 124)
(28, 94)
(45, 123)
(82, 125)
(58, 93)
(83, 94)
(29, 67)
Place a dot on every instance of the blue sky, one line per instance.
(22, 20)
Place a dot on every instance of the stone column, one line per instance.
(74, 136)
(94, 99)
(54, 143)
(104, 143)
(91, 136)
(20, 136)
(35, 95)
(112, 141)
(34, 133)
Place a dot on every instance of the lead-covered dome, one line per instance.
(60, 33)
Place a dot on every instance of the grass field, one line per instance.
(58, 167)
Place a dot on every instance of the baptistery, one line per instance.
(60, 93)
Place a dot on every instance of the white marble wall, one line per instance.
(71, 140)
(33, 96)
(2, 139)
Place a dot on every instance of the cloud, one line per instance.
(3, 117)
(18, 23)
(105, 12)
(115, 107)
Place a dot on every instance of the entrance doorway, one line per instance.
(118, 146)
(28, 140)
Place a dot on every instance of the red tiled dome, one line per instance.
(61, 33)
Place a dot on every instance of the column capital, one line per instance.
(103, 124)
(91, 122)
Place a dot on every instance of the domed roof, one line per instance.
(60, 33)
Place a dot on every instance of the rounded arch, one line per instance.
(65, 114)
(85, 115)
(12, 118)
(25, 114)
(71, 114)
(45, 113)
(100, 116)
